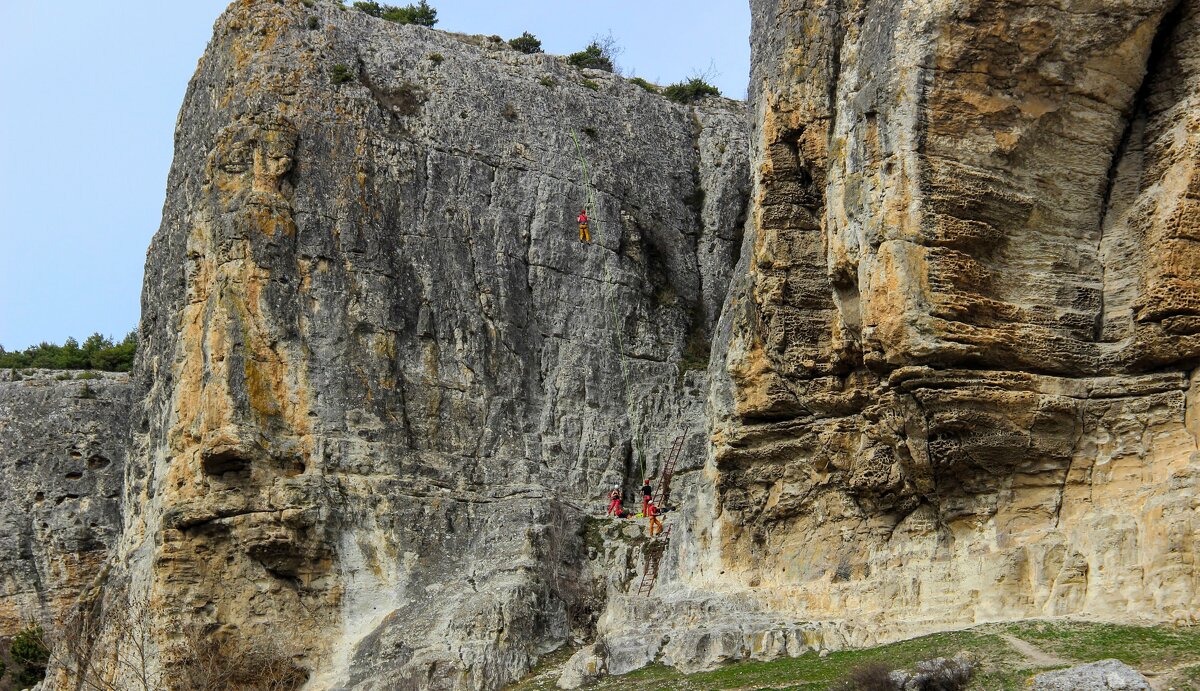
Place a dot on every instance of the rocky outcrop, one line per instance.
(62, 457)
(1097, 676)
(389, 382)
(957, 363)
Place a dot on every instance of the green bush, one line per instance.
(547, 82)
(421, 13)
(436, 58)
(29, 652)
(97, 352)
(314, 23)
(645, 84)
(340, 74)
(593, 57)
(590, 84)
(691, 91)
(526, 43)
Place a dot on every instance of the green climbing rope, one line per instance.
(613, 315)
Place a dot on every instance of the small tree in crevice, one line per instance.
(340, 74)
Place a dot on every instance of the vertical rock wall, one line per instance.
(62, 457)
(958, 370)
(384, 380)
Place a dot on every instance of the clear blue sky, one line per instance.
(89, 92)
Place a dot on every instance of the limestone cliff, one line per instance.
(946, 268)
(957, 363)
(62, 457)
(384, 381)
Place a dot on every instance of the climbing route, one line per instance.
(614, 321)
(658, 546)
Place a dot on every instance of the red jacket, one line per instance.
(583, 217)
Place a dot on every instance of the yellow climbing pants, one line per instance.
(584, 235)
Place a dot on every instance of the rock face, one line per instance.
(62, 458)
(945, 283)
(956, 369)
(389, 381)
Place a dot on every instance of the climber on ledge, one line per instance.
(647, 495)
(614, 502)
(655, 522)
(584, 235)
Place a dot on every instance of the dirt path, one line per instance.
(1034, 655)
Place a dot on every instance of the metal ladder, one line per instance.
(650, 575)
(663, 493)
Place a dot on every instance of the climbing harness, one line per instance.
(614, 322)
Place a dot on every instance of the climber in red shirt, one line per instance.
(614, 502)
(584, 235)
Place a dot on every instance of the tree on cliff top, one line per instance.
(601, 54)
(526, 43)
(690, 91)
(420, 14)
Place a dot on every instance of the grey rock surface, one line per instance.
(62, 460)
(390, 382)
(1105, 675)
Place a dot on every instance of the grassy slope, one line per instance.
(1150, 649)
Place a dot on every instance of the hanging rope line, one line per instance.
(612, 307)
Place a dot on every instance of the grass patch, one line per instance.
(1001, 668)
(588, 83)
(547, 82)
(1133, 645)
